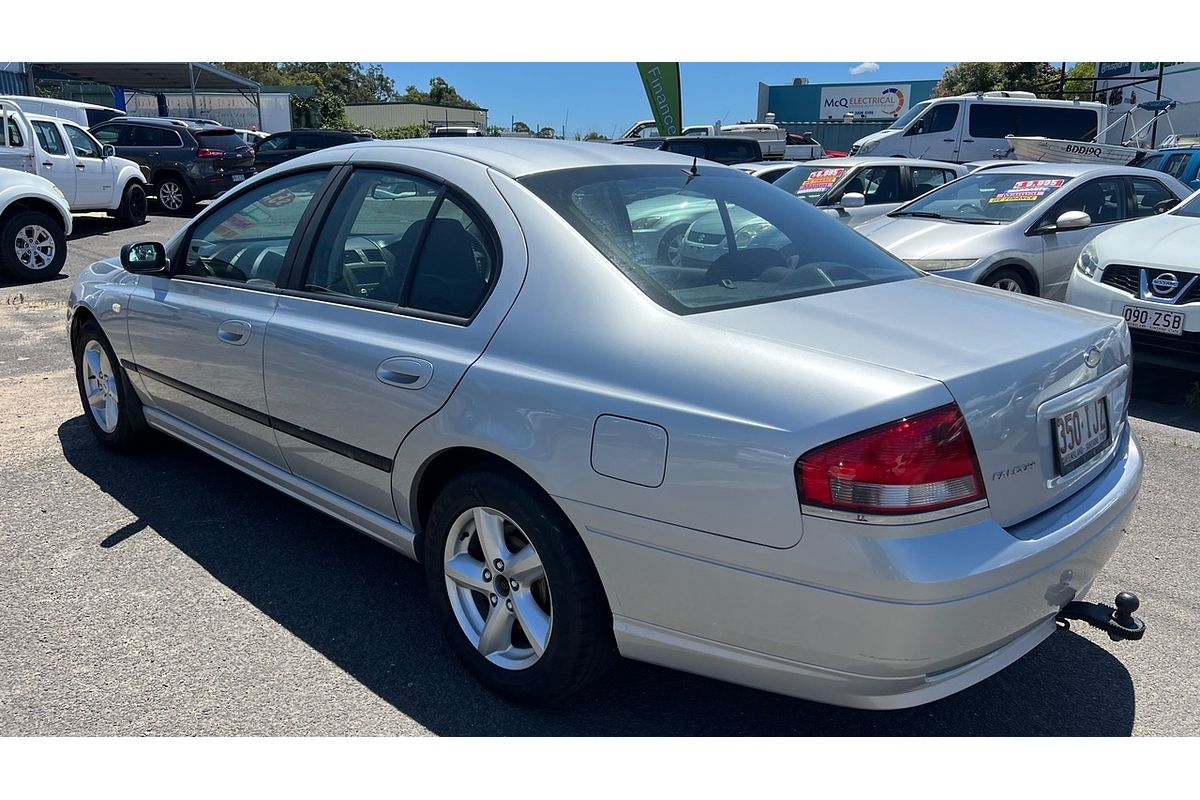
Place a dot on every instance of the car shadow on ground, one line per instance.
(364, 608)
(1163, 395)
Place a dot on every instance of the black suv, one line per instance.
(722, 149)
(280, 147)
(184, 161)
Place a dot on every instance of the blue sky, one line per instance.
(608, 97)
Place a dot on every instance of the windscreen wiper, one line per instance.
(927, 214)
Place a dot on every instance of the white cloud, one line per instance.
(866, 66)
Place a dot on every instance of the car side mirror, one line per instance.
(1072, 221)
(1163, 206)
(108, 151)
(853, 200)
(144, 257)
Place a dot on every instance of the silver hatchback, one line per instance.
(760, 470)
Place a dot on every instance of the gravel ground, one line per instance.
(167, 594)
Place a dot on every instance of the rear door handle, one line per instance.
(968, 141)
(48, 164)
(80, 166)
(234, 331)
(405, 372)
(947, 140)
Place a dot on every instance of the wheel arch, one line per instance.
(1026, 270)
(40, 205)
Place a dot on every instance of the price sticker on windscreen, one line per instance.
(1027, 191)
(821, 179)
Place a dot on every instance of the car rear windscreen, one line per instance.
(220, 139)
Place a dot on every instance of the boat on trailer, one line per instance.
(1132, 150)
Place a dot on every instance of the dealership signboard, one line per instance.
(883, 101)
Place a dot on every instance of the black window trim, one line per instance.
(1039, 227)
(1131, 196)
(293, 287)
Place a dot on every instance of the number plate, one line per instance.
(1150, 319)
(237, 178)
(1080, 434)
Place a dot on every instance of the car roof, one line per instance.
(1071, 170)
(164, 122)
(885, 161)
(518, 157)
(761, 165)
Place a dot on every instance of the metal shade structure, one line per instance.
(153, 77)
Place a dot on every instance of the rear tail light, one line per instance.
(917, 464)
(210, 152)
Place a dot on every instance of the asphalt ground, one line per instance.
(168, 594)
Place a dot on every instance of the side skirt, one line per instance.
(389, 532)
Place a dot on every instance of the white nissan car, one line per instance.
(1148, 271)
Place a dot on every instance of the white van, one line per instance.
(972, 127)
(83, 114)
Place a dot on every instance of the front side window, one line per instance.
(402, 241)
(940, 119)
(279, 142)
(751, 245)
(1147, 193)
(246, 238)
(1175, 165)
(109, 134)
(985, 198)
(85, 146)
(1103, 200)
(876, 184)
(48, 138)
(908, 116)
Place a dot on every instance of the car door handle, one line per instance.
(234, 331)
(968, 141)
(405, 372)
(80, 166)
(48, 164)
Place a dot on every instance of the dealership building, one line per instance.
(839, 114)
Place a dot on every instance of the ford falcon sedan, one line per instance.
(760, 470)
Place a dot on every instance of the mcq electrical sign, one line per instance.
(886, 101)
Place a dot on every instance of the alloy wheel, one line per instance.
(674, 248)
(100, 387)
(170, 194)
(1008, 285)
(498, 589)
(35, 247)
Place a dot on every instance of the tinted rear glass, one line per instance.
(97, 115)
(223, 139)
(995, 121)
(782, 248)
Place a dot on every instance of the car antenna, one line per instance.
(693, 172)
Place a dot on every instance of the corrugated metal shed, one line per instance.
(391, 115)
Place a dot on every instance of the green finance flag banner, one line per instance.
(661, 79)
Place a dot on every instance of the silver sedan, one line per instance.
(1020, 228)
(816, 474)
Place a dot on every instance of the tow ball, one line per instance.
(1119, 623)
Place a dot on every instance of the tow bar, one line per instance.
(1119, 623)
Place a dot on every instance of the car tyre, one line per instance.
(33, 246)
(514, 589)
(110, 404)
(1009, 280)
(132, 210)
(174, 195)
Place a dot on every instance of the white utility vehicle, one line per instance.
(972, 127)
(90, 176)
(85, 115)
(35, 222)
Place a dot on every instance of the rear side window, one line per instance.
(926, 179)
(49, 139)
(695, 149)
(1175, 165)
(1147, 193)
(402, 241)
(280, 142)
(15, 139)
(223, 139)
(309, 141)
(145, 136)
(996, 120)
(246, 239)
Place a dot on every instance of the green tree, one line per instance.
(336, 83)
(402, 132)
(546, 133)
(1079, 85)
(594, 136)
(440, 93)
(520, 127)
(991, 76)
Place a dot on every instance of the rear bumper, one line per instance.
(877, 619)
